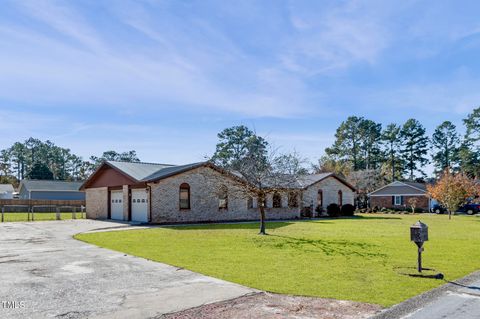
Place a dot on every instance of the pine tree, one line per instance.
(445, 144)
(415, 146)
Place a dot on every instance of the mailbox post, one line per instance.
(419, 235)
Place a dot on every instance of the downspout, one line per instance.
(149, 203)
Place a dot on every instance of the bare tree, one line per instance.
(258, 168)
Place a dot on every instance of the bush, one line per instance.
(319, 210)
(306, 212)
(347, 210)
(333, 210)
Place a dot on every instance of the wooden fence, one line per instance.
(32, 206)
(41, 202)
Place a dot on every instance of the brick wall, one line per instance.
(204, 185)
(330, 187)
(97, 203)
(386, 201)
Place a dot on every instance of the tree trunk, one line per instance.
(262, 220)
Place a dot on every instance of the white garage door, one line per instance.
(116, 205)
(140, 205)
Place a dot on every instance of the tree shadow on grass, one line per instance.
(239, 225)
(373, 217)
(328, 247)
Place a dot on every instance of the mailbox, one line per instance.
(419, 233)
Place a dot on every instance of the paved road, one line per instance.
(457, 300)
(45, 273)
(459, 303)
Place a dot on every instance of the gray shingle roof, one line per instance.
(422, 186)
(6, 188)
(308, 180)
(148, 172)
(138, 170)
(401, 188)
(48, 185)
(171, 170)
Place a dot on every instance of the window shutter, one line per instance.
(402, 199)
(393, 200)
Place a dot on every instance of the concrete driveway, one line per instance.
(45, 273)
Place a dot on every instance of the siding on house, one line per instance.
(50, 190)
(6, 191)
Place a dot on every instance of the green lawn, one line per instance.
(357, 259)
(23, 217)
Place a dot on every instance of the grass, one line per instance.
(360, 259)
(23, 216)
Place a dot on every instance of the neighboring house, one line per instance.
(50, 190)
(160, 193)
(398, 194)
(6, 191)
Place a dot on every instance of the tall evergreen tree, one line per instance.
(445, 145)
(392, 143)
(237, 143)
(40, 171)
(348, 142)
(415, 146)
(469, 151)
(371, 133)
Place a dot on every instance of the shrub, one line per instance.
(306, 212)
(319, 210)
(347, 210)
(333, 210)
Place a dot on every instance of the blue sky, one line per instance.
(164, 77)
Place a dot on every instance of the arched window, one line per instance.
(262, 202)
(184, 196)
(277, 200)
(292, 200)
(223, 197)
(340, 198)
(249, 202)
(320, 198)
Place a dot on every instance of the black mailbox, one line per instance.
(419, 233)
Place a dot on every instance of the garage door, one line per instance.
(116, 205)
(140, 205)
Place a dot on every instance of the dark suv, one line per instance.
(470, 209)
(438, 209)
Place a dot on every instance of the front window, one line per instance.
(249, 202)
(277, 200)
(292, 200)
(184, 196)
(223, 198)
(398, 200)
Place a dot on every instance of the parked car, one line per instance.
(470, 209)
(438, 209)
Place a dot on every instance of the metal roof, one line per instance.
(138, 170)
(6, 188)
(49, 185)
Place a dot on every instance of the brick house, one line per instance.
(397, 195)
(198, 192)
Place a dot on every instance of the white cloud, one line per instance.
(96, 70)
(333, 39)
